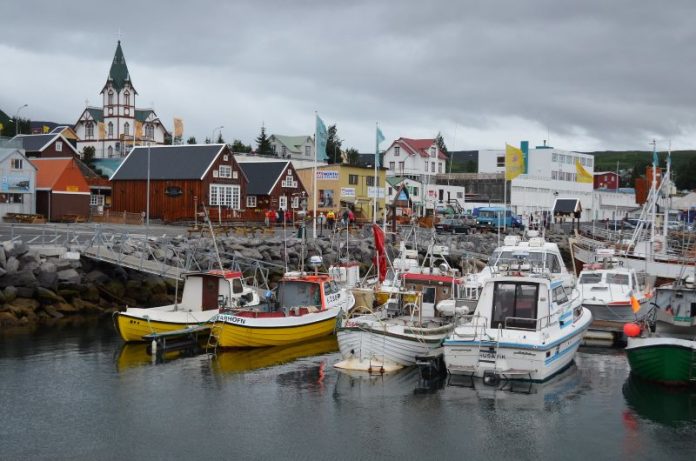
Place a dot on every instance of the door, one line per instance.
(428, 305)
(209, 292)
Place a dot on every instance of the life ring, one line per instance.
(657, 246)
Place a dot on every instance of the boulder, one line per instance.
(47, 276)
(90, 293)
(115, 287)
(96, 276)
(46, 296)
(8, 319)
(24, 304)
(15, 248)
(63, 264)
(53, 312)
(3, 258)
(161, 299)
(65, 308)
(2, 272)
(25, 292)
(68, 293)
(155, 285)
(68, 277)
(10, 293)
(85, 306)
(12, 265)
(22, 278)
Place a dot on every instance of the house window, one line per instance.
(89, 130)
(283, 151)
(59, 146)
(589, 162)
(500, 161)
(225, 157)
(554, 157)
(554, 175)
(149, 131)
(225, 171)
(235, 175)
(126, 98)
(439, 167)
(224, 195)
(397, 151)
(401, 166)
(432, 151)
(251, 201)
(295, 202)
(391, 191)
(307, 151)
(111, 129)
(16, 163)
(126, 129)
(370, 180)
(96, 200)
(415, 192)
(426, 166)
(110, 151)
(283, 202)
(432, 167)
(288, 182)
(392, 165)
(353, 179)
(460, 194)
(111, 98)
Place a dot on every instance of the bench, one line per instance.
(25, 218)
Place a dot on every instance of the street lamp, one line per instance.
(16, 118)
(212, 138)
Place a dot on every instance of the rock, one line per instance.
(155, 285)
(7, 319)
(53, 312)
(46, 296)
(3, 258)
(25, 292)
(47, 276)
(90, 293)
(65, 308)
(85, 306)
(120, 273)
(12, 265)
(161, 299)
(10, 293)
(22, 278)
(115, 287)
(25, 304)
(96, 276)
(30, 257)
(63, 264)
(68, 293)
(15, 248)
(68, 277)
(2, 272)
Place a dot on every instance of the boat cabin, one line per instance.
(434, 288)
(214, 289)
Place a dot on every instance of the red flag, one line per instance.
(381, 257)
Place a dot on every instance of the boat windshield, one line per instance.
(537, 259)
(617, 279)
(587, 279)
(296, 293)
(515, 305)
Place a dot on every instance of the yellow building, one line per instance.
(345, 186)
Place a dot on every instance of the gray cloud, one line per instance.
(595, 74)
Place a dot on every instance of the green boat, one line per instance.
(665, 350)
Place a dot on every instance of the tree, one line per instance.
(239, 146)
(441, 144)
(333, 145)
(263, 145)
(88, 156)
(220, 140)
(191, 140)
(353, 156)
(207, 140)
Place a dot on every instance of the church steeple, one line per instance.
(118, 74)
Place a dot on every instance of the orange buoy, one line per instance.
(631, 330)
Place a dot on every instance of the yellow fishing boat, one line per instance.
(204, 294)
(306, 307)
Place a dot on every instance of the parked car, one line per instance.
(452, 226)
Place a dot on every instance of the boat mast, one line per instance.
(666, 182)
(653, 191)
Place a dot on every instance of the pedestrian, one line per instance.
(267, 218)
(279, 216)
(351, 217)
(330, 219)
(344, 218)
(288, 216)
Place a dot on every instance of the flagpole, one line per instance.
(374, 198)
(314, 179)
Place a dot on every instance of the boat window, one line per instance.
(292, 294)
(428, 295)
(591, 278)
(559, 295)
(635, 282)
(552, 263)
(515, 305)
(237, 286)
(330, 288)
(617, 279)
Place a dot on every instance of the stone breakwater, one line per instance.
(37, 289)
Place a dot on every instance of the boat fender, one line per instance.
(632, 330)
(657, 246)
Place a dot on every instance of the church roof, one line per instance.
(142, 114)
(118, 74)
(185, 161)
(97, 114)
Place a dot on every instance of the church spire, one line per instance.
(118, 74)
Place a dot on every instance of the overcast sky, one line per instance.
(589, 75)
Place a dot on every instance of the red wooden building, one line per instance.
(182, 178)
(272, 185)
(606, 180)
(61, 189)
(46, 146)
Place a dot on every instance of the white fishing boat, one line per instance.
(204, 294)
(613, 293)
(524, 327)
(405, 327)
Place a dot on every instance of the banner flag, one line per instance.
(514, 162)
(582, 175)
(322, 137)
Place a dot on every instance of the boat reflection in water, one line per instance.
(133, 355)
(668, 405)
(241, 360)
(361, 385)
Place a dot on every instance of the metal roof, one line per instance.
(35, 142)
(262, 176)
(185, 161)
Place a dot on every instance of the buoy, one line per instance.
(631, 330)
(153, 346)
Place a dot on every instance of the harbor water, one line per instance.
(79, 393)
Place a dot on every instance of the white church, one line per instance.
(118, 125)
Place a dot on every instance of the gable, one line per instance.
(186, 161)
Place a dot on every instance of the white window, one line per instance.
(251, 201)
(432, 167)
(590, 161)
(283, 202)
(96, 200)
(392, 166)
(16, 163)
(460, 194)
(59, 146)
(224, 195)
(554, 175)
(89, 130)
(401, 166)
(307, 151)
(432, 151)
(554, 157)
(111, 97)
(126, 129)
(126, 98)
(397, 151)
(295, 201)
(225, 157)
(289, 183)
(235, 175)
(111, 129)
(225, 171)
(110, 150)
(426, 166)
(439, 167)
(216, 174)
(284, 151)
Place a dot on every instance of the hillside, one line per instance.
(633, 163)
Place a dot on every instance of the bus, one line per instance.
(496, 216)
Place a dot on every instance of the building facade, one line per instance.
(292, 147)
(419, 159)
(117, 126)
(18, 186)
(273, 185)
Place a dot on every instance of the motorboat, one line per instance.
(203, 295)
(524, 327)
(661, 347)
(305, 307)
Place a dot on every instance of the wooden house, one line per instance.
(272, 185)
(62, 193)
(181, 179)
(46, 146)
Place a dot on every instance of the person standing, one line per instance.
(330, 219)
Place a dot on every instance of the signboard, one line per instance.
(381, 192)
(327, 175)
(15, 183)
(348, 192)
(326, 198)
(72, 189)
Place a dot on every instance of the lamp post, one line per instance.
(16, 118)
(212, 138)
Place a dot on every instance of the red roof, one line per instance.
(420, 147)
(59, 174)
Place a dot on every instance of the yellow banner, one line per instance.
(514, 162)
(582, 174)
(138, 130)
(102, 130)
(178, 128)
(45, 129)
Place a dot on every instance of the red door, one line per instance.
(209, 292)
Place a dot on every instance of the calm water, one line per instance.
(77, 394)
